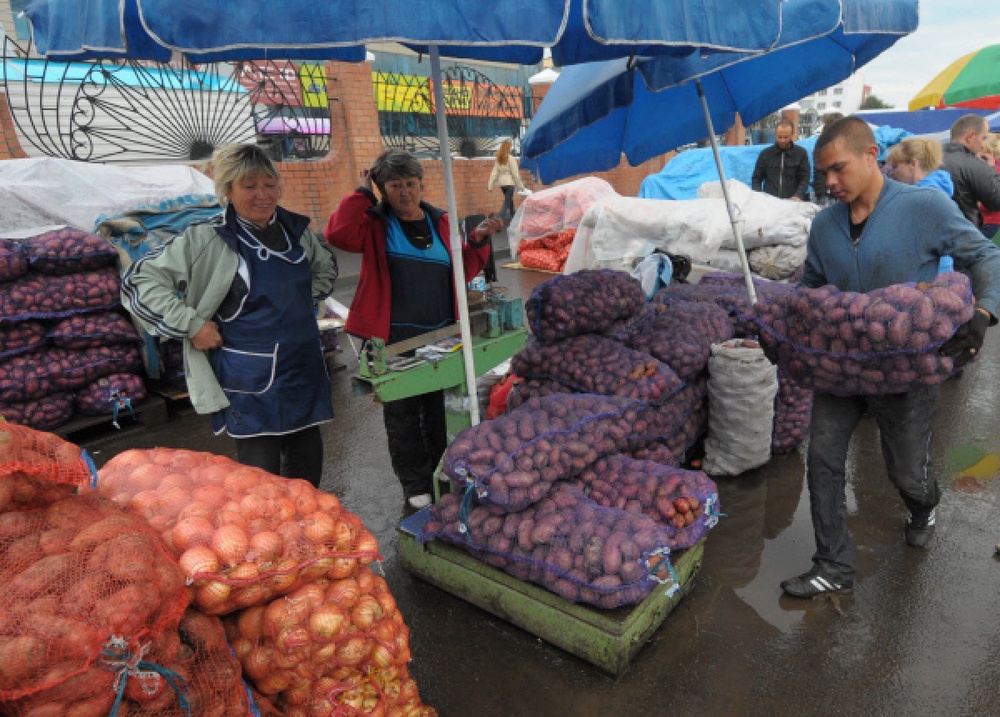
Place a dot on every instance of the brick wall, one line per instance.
(315, 188)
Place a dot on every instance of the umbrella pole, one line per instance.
(725, 193)
(456, 238)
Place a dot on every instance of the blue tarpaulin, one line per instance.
(926, 121)
(690, 169)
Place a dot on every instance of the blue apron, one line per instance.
(271, 362)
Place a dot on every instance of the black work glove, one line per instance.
(968, 339)
(770, 348)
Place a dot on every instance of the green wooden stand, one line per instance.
(608, 639)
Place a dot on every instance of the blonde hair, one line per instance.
(234, 162)
(992, 145)
(927, 153)
(503, 154)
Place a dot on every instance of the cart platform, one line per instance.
(608, 639)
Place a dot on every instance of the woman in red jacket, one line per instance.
(405, 289)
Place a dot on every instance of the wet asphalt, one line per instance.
(919, 635)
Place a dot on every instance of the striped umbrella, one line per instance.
(970, 81)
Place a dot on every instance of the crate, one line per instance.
(608, 639)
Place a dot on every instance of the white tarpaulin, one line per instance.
(45, 191)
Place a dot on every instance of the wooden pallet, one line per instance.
(90, 429)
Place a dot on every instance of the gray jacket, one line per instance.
(975, 181)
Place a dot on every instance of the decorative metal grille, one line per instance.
(145, 112)
(480, 113)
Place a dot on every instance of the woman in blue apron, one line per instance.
(241, 292)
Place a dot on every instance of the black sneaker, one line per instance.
(920, 530)
(815, 583)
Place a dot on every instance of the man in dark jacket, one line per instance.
(782, 169)
(975, 181)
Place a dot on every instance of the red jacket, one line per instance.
(360, 226)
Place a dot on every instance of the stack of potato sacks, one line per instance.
(179, 576)
(65, 346)
(578, 487)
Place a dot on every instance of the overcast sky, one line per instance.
(948, 30)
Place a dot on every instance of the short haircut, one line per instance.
(965, 124)
(395, 164)
(785, 122)
(927, 152)
(234, 162)
(857, 135)
(832, 117)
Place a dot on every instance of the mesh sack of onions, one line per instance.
(566, 543)
(37, 296)
(679, 333)
(68, 251)
(13, 262)
(43, 414)
(332, 647)
(90, 591)
(242, 536)
(586, 302)
(513, 460)
(792, 413)
(21, 337)
(93, 330)
(685, 502)
(590, 363)
(110, 395)
(881, 342)
(38, 468)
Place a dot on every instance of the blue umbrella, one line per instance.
(593, 114)
(578, 30)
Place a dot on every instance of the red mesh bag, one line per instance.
(541, 258)
(89, 589)
(89, 330)
(242, 536)
(565, 542)
(332, 647)
(68, 250)
(42, 414)
(38, 468)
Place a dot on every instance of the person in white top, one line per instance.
(507, 176)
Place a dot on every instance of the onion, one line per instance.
(258, 663)
(199, 562)
(292, 638)
(212, 596)
(250, 595)
(382, 656)
(343, 534)
(318, 568)
(387, 602)
(325, 622)
(343, 593)
(191, 532)
(319, 527)
(266, 546)
(241, 647)
(366, 544)
(250, 623)
(144, 503)
(366, 612)
(296, 695)
(254, 505)
(284, 510)
(172, 500)
(243, 480)
(198, 509)
(328, 503)
(342, 568)
(312, 594)
(213, 495)
(353, 651)
(367, 581)
(230, 543)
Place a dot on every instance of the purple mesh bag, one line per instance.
(881, 342)
(512, 461)
(685, 502)
(529, 388)
(792, 413)
(68, 251)
(13, 262)
(44, 371)
(111, 395)
(91, 330)
(565, 542)
(21, 338)
(38, 296)
(590, 363)
(42, 414)
(587, 302)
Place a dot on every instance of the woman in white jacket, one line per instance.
(506, 175)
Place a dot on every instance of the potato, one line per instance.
(582, 303)
(89, 330)
(13, 262)
(68, 251)
(21, 337)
